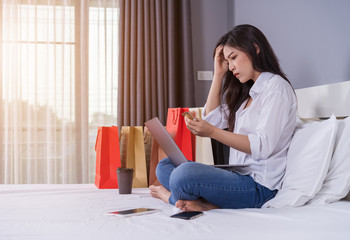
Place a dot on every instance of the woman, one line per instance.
(251, 96)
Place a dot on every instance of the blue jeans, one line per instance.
(224, 189)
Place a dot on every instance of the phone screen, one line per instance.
(131, 212)
(187, 215)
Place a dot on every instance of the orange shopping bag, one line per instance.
(157, 154)
(183, 137)
(107, 157)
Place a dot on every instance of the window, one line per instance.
(103, 72)
(45, 136)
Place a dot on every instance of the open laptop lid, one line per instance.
(170, 148)
(165, 141)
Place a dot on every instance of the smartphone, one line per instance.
(188, 114)
(187, 215)
(133, 212)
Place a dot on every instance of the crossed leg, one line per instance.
(185, 205)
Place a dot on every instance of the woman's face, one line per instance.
(240, 64)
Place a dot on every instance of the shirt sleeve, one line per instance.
(217, 117)
(276, 119)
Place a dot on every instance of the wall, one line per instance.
(209, 22)
(311, 38)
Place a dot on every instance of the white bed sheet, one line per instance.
(77, 212)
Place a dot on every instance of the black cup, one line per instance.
(125, 180)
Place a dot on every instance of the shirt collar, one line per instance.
(259, 84)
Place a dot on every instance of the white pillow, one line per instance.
(308, 160)
(337, 183)
(347, 198)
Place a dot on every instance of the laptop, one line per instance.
(169, 146)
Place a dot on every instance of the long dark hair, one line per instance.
(246, 38)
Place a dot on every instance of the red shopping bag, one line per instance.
(107, 157)
(183, 137)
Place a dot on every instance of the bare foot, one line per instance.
(195, 205)
(160, 192)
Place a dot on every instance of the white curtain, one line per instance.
(58, 83)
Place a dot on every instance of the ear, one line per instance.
(257, 49)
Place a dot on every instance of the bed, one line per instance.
(77, 211)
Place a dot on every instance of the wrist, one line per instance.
(213, 133)
(218, 75)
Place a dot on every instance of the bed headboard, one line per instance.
(321, 101)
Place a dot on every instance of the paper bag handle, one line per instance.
(97, 137)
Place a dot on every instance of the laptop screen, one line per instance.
(165, 141)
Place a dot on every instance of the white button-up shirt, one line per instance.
(269, 122)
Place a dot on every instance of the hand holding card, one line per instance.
(188, 115)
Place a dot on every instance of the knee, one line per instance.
(186, 168)
(165, 161)
(162, 168)
(182, 175)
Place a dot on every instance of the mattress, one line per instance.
(78, 212)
